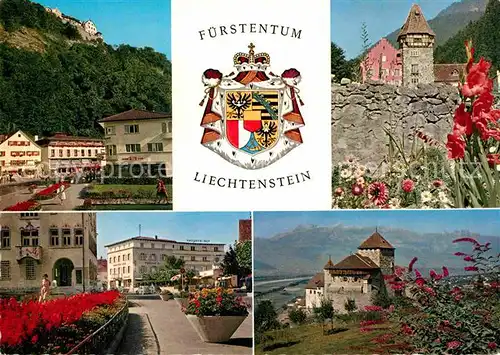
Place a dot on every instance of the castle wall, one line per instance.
(418, 59)
(313, 297)
(373, 254)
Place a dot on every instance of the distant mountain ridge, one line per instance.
(306, 249)
(450, 20)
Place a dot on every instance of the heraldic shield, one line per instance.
(251, 117)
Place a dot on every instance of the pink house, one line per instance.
(383, 64)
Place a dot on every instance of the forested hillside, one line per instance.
(485, 34)
(52, 81)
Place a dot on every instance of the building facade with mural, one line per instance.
(356, 276)
(61, 245)
(19, 154)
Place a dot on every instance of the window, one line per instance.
(83, 152)
(384, 58)
(181, 247)
(90, 152)
(68, 153)
(128, 256)
(111, 149)
(79, 236)
(193, 258)
(142, 256)
(193, 249)
(414, 69)
(128, 269)
(79, 277)
(142, 245)
(134, 128)
(118, 258)
(66, 237)
(152, 245)
(52, 153)
(166, 127)
(397, 72)
(29, 237)
(60, 153)
(216, 248)
(29, 215)
(54, 237)
(143, 269)
(205, 258)
(133, 148)
(417, 40)
(414, 53)
(30, 269)
(123, 270)
(414, 80)
(163, 257)
(4, 270)
(153, 257)
(114, 259)
(110, 130)
(155, 147)
(5, 237)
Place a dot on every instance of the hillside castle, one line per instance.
(87, 29)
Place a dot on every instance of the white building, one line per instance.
(19, 153)
(90, 27)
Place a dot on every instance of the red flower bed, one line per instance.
(50, 192)
(34, 327)
(29, 205)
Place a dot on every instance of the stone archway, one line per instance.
(62, 271)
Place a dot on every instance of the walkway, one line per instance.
(175, 334)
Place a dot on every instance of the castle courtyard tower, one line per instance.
(380, 251)
(416, 42)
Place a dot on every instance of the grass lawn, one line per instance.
(129, 207)
(131, 188)
(346, 339)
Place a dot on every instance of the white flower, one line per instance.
(360, 171)
(426, 196)
(345, 174)
(395, 202)
(442, 196)
(360, 180)
(493, 149)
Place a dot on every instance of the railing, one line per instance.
(99, 341)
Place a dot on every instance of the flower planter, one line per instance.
(215, 329)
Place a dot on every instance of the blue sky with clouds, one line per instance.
(218, 227)
(143, 23)
(485, 222)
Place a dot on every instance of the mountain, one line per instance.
(485, 36)
(306, 249)
(450, 20)
(53, 80)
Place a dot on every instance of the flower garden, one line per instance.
(461, 172)
(55, 326)
(32, 204)
(215, 302)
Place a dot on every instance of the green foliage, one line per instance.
(244, 257)
(324, 311)
(485, 36)
(381, 298)
(340, 66)
(71, 85)
(265, 317)
(170, 268)
(364, 58)
(230, 262)
(216, 302)
(350, 305)
(297, 316)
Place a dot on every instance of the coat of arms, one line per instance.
(251, 116)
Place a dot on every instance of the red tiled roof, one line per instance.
(329, 265)
(132, 115)
(355, 262)
(416, 23)
(448, 73)
(318, 280)
(375, 241)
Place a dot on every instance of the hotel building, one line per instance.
(130, 259)
(63, 153)
(139, 137)
(19, 153)
(61, 245)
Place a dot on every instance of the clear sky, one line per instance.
(143, 23)
(218, 227)
(485, 222)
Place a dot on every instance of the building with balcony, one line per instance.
(130, 259)
(19, 154)
(62, 153)
(139, 137)
(61, 245)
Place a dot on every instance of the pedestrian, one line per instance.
(161, 191)
(62, 193)
(45, 289)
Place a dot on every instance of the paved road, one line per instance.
(22, 193)
(174, 333)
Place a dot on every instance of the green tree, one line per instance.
(324, 311)
(381, 298)
(350, 305)
(229, 263)
(265, 317)
(297, 316)
(365, 60)
(340, 67)
(244, 257)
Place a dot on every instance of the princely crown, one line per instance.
(252, 60)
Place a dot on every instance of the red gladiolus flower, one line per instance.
(453, 344)
(420, 282)
(477, 78)
(462, 123)
(430, 291)
(373, 308)
(378, 194)
(469, 258)
(466, 239)
(418, 274)
(470, 268)
(407, 185)
(492, 345)
(357, 189)
(459, 253)
(493, 159)
(406, 329)
(455, 146)
(412, 262)
(446, 273)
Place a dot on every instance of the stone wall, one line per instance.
(361, 111)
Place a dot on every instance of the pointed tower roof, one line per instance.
(375, 241)
(416, 23)
(329, 265)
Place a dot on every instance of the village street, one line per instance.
(160, 327)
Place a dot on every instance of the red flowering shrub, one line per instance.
(450, 316)
(215, 302)
(29, 205)
(50, 192)
(35, 328)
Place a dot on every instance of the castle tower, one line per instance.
(380, 251)
(416, 42)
